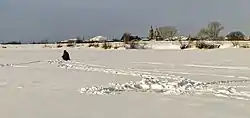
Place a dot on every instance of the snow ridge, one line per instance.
(183, 86)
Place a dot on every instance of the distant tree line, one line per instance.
(211, 32)
(12, 42)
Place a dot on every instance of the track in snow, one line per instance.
(158, 83)
(152, 82)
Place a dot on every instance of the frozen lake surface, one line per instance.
(36, 83)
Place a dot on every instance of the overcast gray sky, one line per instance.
(28, 20)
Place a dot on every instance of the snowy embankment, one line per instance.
(156, 45)
(175, 45)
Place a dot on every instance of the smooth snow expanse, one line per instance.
(36, 83)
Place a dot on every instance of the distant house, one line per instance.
(237, 35)
(182, 38)
(68, 41)
(74, 40)
(98, 39)
(192, 39)
(145, 39)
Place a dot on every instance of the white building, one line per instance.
(69, 41)
(99, 39)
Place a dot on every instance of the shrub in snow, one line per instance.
(204, 45)
(245, 46)
(47, 46)
(94, 45)
(220, 42)
(235, 43)
(116, 47)
(136, 45)
(91, 45)
(70, 45)
(185, 46)
(59, 46)
(106, 45)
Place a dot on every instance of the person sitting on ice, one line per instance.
(65, 56)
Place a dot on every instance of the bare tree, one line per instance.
(44, 41)
(202, 34)
(126, 37)
(168, 32)
(151, 33)
(212, 31)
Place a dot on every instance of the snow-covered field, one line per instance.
(36, 83)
